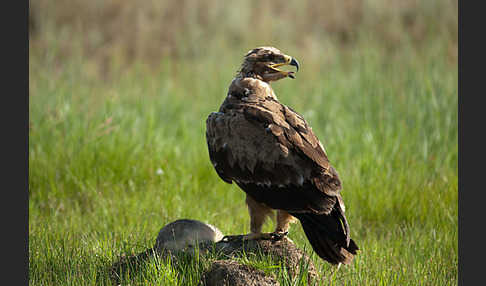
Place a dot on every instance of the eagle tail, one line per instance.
(329, 236)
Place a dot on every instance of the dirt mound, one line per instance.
(232, 273)
(283, 250)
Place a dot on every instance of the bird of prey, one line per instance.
(273, 155)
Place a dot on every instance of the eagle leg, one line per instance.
(284, 219)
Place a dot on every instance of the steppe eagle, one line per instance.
(272, 154)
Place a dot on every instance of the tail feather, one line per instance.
(329, 236)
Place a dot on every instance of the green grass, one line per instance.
(113, 160)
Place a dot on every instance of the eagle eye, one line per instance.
(268, 58)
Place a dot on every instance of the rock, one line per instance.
(232, 273)
(185, 234)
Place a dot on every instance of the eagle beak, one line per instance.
(291, 61)
(295, 63)
(288, 61)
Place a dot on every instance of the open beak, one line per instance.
(288, 61)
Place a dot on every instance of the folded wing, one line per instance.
(271, 152)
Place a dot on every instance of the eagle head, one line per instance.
(263, 63)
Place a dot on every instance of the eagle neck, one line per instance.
(250, 86)
(248, 74)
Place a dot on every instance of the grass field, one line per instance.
(117, 145)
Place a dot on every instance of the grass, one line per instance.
(113, 159)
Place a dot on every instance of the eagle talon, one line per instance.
(276, 236)
(229, 238)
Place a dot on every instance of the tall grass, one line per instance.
(119, 94)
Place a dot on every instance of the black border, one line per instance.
(471, 189)
(15, 140)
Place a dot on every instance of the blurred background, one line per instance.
(120, 91)
(115, 34)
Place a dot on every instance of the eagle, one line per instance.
(272, 154)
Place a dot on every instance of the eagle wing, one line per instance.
(270, 151)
